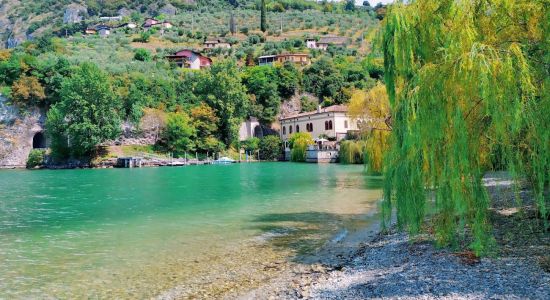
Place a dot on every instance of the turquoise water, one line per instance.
(138, 232)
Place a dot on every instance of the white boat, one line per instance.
(224, 161)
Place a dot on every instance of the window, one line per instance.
(346, 124)
(284, 129)
(290, 129)
(297, 128)
(326, 125)
(309, 127)
(329, 124)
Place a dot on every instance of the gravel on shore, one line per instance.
(390, 266)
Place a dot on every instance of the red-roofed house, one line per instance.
(190, 59)
(150, 22)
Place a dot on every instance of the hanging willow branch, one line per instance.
(468, 92)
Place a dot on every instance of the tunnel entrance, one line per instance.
(39, 141)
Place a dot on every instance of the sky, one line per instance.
(373, 2)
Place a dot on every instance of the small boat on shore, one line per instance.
(224, 161)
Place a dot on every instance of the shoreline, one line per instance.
(396, 266)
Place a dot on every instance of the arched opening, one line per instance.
(258, 132)
(39, 141)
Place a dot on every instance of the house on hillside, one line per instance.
(150, 22)
(337, 41)
(311, 43)
(267, 60)
(332, 121)
(165, 25)
(297, 58)
(90, 31)
(103, 30)
(190, 59)
(216, 43)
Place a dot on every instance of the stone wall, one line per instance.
(17, 131)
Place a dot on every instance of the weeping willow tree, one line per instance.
(468, 85)
(370, 109)
(298, 144)
(352, 152)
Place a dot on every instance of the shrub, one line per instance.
(298, 144)
(270, 147)
(35, 159)
(142, 54)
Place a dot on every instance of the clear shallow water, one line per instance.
(140, 232)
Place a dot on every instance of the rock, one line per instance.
(16, 133)
(168, 10)
(74, 13)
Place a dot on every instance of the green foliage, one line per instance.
(262, 82)
(270, 147)
(352, 152)
(298, 145)
(87, 114)
(289, 80)
(222, 89)
(179, 134)
(307, 104)
(463, 78)
(36, 158)
(205, 121)
(142, 54)
(324, 80)
(263, 22)
(251, 145)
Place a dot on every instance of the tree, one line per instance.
(251, 145)
(232, 24)
(179, 134)
(87, 114)
(298, 145)
(221, 88)
(262, 83)
(263, 22)
(142, 54)
(350, 5)
(27, 91)
(289, 79)
(455, 101)
(370, 109)
(324, 80)
(205, 121)
(270, 147)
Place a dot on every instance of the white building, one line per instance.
(311, 43)
(332, 121)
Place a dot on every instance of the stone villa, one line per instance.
(332, 121)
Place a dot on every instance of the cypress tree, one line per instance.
(263, 23)
(232, 24)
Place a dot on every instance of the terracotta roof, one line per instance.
(333, 108)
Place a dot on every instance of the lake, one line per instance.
(190, 231)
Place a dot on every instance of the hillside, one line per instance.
(25, 19)
(132, 72)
